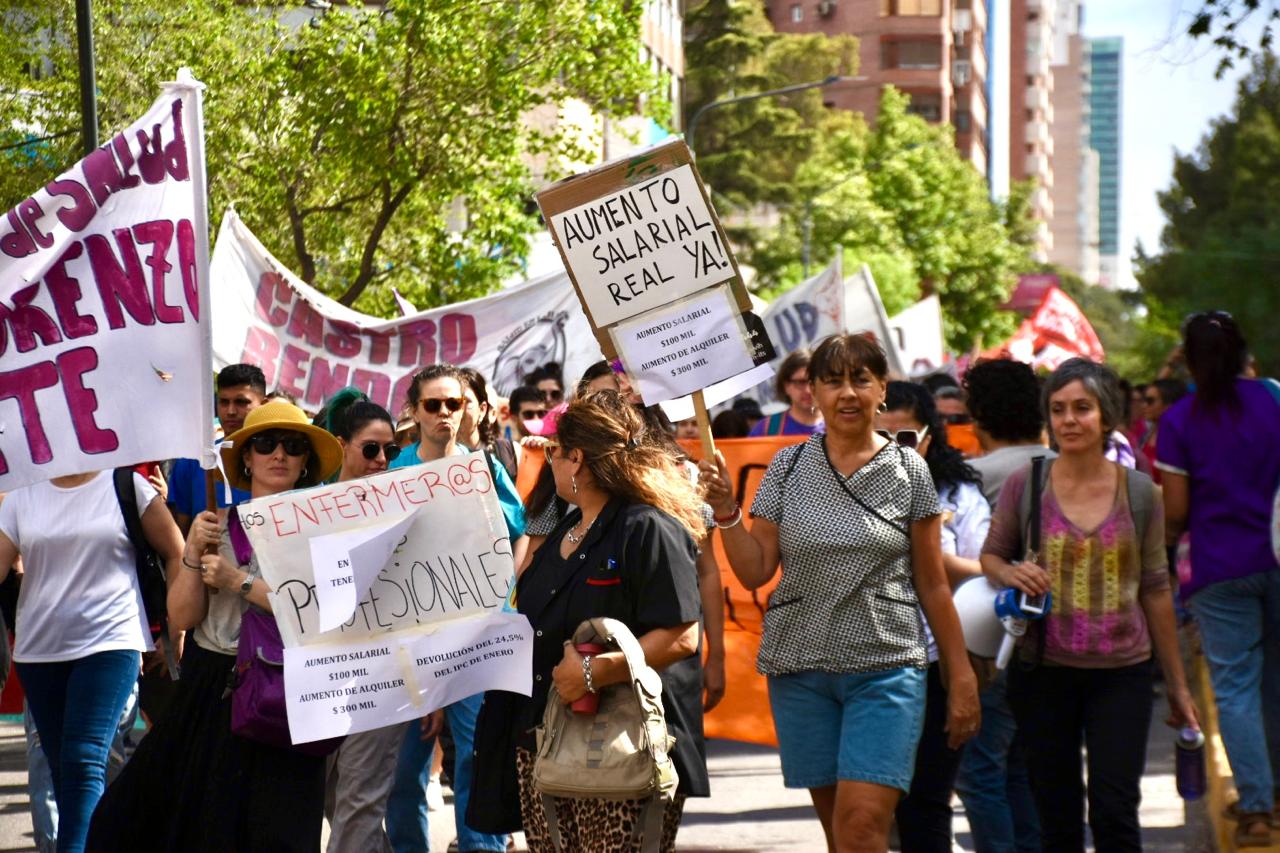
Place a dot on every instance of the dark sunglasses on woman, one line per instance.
(433, 405)
(553, 395)
(370, 449)
(294, 445)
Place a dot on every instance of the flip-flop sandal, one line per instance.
(1233, 813)
(1253, 830)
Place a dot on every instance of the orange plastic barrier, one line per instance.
(744, 712)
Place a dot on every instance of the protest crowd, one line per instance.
(872, 518)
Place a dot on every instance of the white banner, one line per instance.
(378, 582)
(310, 345)
(917, 332)
(104, 331)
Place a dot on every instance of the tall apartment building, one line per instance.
(933, 50)
(1105, 66)
(1074, 223)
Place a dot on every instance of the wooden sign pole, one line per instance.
(211, 504)
(704, 426)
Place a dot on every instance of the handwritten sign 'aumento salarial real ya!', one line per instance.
(642, 246)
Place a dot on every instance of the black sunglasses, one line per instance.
(553, 395)
(370, 449)
(294, 445)
(530, 414)
(433, 405)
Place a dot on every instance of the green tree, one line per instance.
(1220, 248)
(1222, 21)
(373, 146)
(901, 198)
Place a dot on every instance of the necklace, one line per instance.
(575, 539)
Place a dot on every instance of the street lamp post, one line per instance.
(88, 84)
(772, 93)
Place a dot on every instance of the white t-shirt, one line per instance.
(80, 591)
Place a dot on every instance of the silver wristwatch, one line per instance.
(246, 586)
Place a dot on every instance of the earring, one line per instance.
(883, 407)
(247, 474)
(304, 472)
(573, 479)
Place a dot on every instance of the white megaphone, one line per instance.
(993, 619)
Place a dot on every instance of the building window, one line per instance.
(920, 53)
(927, 105)
(911, 8)
(797, 13)
(963, 120)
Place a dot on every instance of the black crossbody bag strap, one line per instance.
(859, 501)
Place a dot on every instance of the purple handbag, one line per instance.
(257, 682)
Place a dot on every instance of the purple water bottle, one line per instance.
(1192, 779)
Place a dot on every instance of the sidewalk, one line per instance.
(750, 810)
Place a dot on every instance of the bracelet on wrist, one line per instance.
(736, 509)
(196, 568)
(586, 674)
(732, 521)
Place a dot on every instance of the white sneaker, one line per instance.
(435, 796)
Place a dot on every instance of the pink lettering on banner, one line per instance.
(79, 213)
(325, 380)
(187, 266)
(17, 243)
(151, 155)
(344, 340)
(307, 323)
(101, 175)
(175, 153)
(120, 282)
(125, 157)
(376, 385)
(400, 393)
(273, 288)
(418, 343)
(292, 368)
(30, 212)
(159, 234)
(25, 322)
(263, 349)
(457, 338)
(22, 385)
(83, 402)
(379, 346)
(65, 291)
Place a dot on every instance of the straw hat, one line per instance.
(280, 414)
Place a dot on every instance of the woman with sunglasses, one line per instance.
(625, 551)
(1218, 452)
(192, 784)
(912, 419)
(853, 521)
(436, 399)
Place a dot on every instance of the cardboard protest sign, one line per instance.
(310, 345)
(104, 329)
(377, 582)
(638, 237)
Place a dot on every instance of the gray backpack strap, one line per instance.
(1142, 498)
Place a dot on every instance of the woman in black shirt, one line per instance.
(627, 552)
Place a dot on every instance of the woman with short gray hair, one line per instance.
(1085, 670)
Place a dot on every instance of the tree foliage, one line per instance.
(1222, 21)
(367, 146)
(899, 196)
(1220, 248)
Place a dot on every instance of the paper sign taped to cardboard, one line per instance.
(642, 246)
(687, 345)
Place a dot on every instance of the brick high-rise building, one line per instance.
(934, 50)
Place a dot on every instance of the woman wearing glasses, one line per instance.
(853, 520)
(192, 784)
(1218, 453)
(912, 419)
(792, 386)
(625, 551)
(436, 400)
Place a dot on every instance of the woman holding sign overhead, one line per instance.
(853, 520)
(626, 551)
(193, 784)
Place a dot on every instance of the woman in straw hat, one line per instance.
(192, 784)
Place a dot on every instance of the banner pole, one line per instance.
(88, 77)
(704, 426)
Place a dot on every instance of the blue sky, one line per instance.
(1169, 98)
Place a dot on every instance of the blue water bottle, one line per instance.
(1191, 776)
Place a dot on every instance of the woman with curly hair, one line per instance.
(626, 551)
(912, 419)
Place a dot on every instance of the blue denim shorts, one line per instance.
(856, 727)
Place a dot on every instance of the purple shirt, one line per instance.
(788, 424)
(1231, 456)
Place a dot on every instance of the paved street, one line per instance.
(750, 811)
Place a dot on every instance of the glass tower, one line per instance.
(1104, 136)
